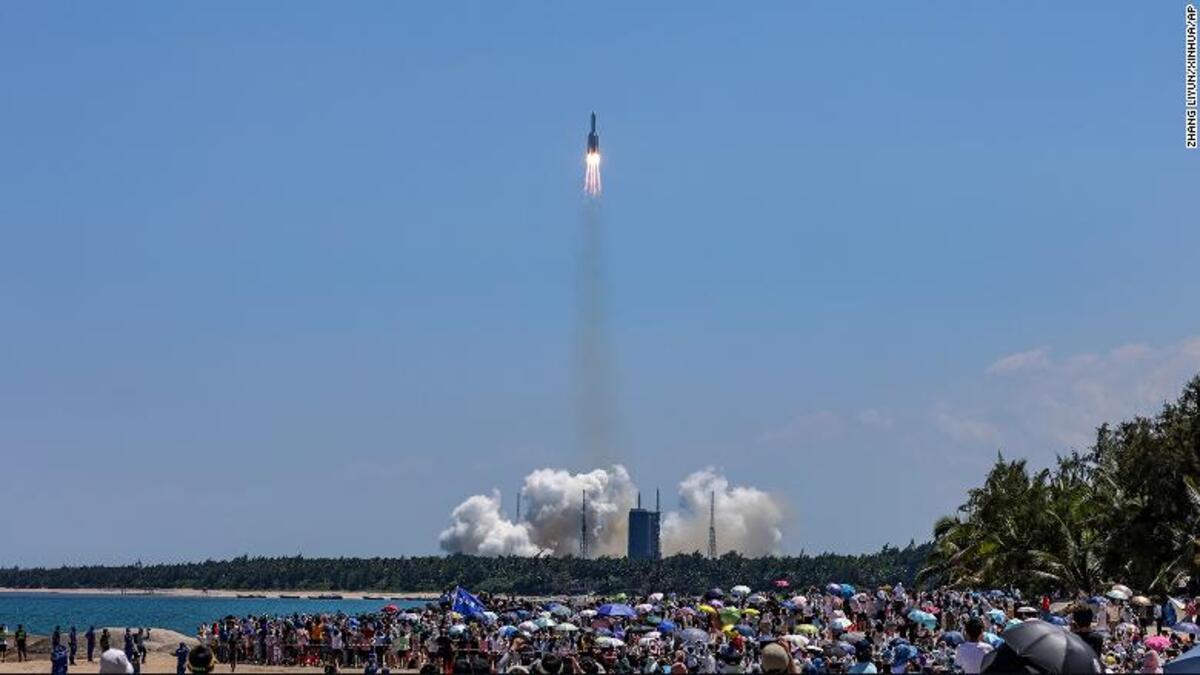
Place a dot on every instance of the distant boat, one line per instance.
(374, 597)
(325, 596)
(251, 595)
(285, 596)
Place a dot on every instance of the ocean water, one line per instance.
(41, 612)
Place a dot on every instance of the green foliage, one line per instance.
(1127, 511)
(532, 576)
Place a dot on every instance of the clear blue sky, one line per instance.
(294, 277)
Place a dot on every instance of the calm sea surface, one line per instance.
(41, 612)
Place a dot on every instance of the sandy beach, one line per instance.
(155, 663)
(215, 593)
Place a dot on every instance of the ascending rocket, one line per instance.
(593, 138)
(591, 180)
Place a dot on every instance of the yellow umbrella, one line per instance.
(707, 609)
(807, 629)
(751, 611)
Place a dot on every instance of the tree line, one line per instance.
(679, 573)
(1126, 510)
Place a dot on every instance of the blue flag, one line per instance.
(466, 604)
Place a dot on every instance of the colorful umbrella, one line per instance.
(1158, 643)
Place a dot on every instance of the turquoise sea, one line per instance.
(42, 611)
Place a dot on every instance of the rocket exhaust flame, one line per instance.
(591, 179)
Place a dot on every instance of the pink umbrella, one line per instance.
(1157, 642)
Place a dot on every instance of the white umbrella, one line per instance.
(566, 627)
(1123, 588)
(1117, 594)
(841, 623)
(588, 613)
(656, 597)
(800, 600)
(528, 626)
(644, 608)
(796, 640)
(605, 641)
(740, 589)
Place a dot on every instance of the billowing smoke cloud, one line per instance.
(480, 528)
(551, 499)
(748, 519)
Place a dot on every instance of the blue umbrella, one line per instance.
(1188, 662)
(509, 631)
(996, 615)
(666, 626)
(1057, 620)
(1186, 627)
(695, 635)
(846, 647)
(744, 630)
(993, 639)
(953, 638)
(924, 618)
(616, 609)
(903, 653)
(847, 590)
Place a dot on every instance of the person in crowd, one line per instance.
(58, 653)
(969, 654)
(114, 662)
(1082, 620)
(201, 660)
(22, 639)
(89, 639)
(181, 658)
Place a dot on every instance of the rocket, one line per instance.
(593, 138)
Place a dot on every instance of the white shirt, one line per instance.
(969, 656)
(114, 661)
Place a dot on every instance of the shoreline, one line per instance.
(223, 593)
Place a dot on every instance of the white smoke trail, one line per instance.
(595, 409)
(748, 519)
